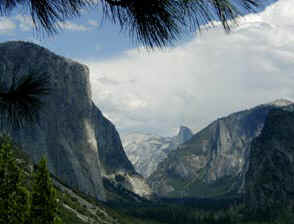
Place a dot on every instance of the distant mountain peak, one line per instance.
(183, 129)
(280, 103)
(218, 151)
(184, 134)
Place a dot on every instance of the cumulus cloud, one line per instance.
(6, 25)
(107, 81)
(25, 22)
(193, 84)
(93, 23)
(73, 26)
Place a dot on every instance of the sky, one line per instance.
(203, 77)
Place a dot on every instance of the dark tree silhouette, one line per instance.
(44, 201)
(154, 23)
(21, 102)
(14, 197)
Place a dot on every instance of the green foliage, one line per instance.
(202, 212)
(14, 198)
(44, 201)
(18, 205)
(17, 202)
(74, 204)
(68, 217)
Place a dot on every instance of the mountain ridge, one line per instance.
(145, 151)
(212, 163)
(270, 176)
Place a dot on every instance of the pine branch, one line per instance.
(22, 101)
(154, 23)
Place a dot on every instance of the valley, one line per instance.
(236, 170)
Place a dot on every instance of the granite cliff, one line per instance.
(81, 145)
(213, 162)
(146, 151)
(269, 181)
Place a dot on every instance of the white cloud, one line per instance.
(193, 84)
(72, 26)
(6, 25)
(93, 23)
(25, 22)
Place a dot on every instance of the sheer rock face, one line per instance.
(116, 166)
(112, 156)
(80, 144)
(213, 161)
(146, 151)
(269, 180)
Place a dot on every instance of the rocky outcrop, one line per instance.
(116, 167)
(112, 155)
(184, 135)
(212, 163)
(80, 143)
(146, 151)
(269, 181)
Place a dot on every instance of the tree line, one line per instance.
(25, 197)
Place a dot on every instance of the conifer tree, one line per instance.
(154, 23)
(44, 202)
(14, 197)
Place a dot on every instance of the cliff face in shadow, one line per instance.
(80, 143)
(269, 181)
(112, 155)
